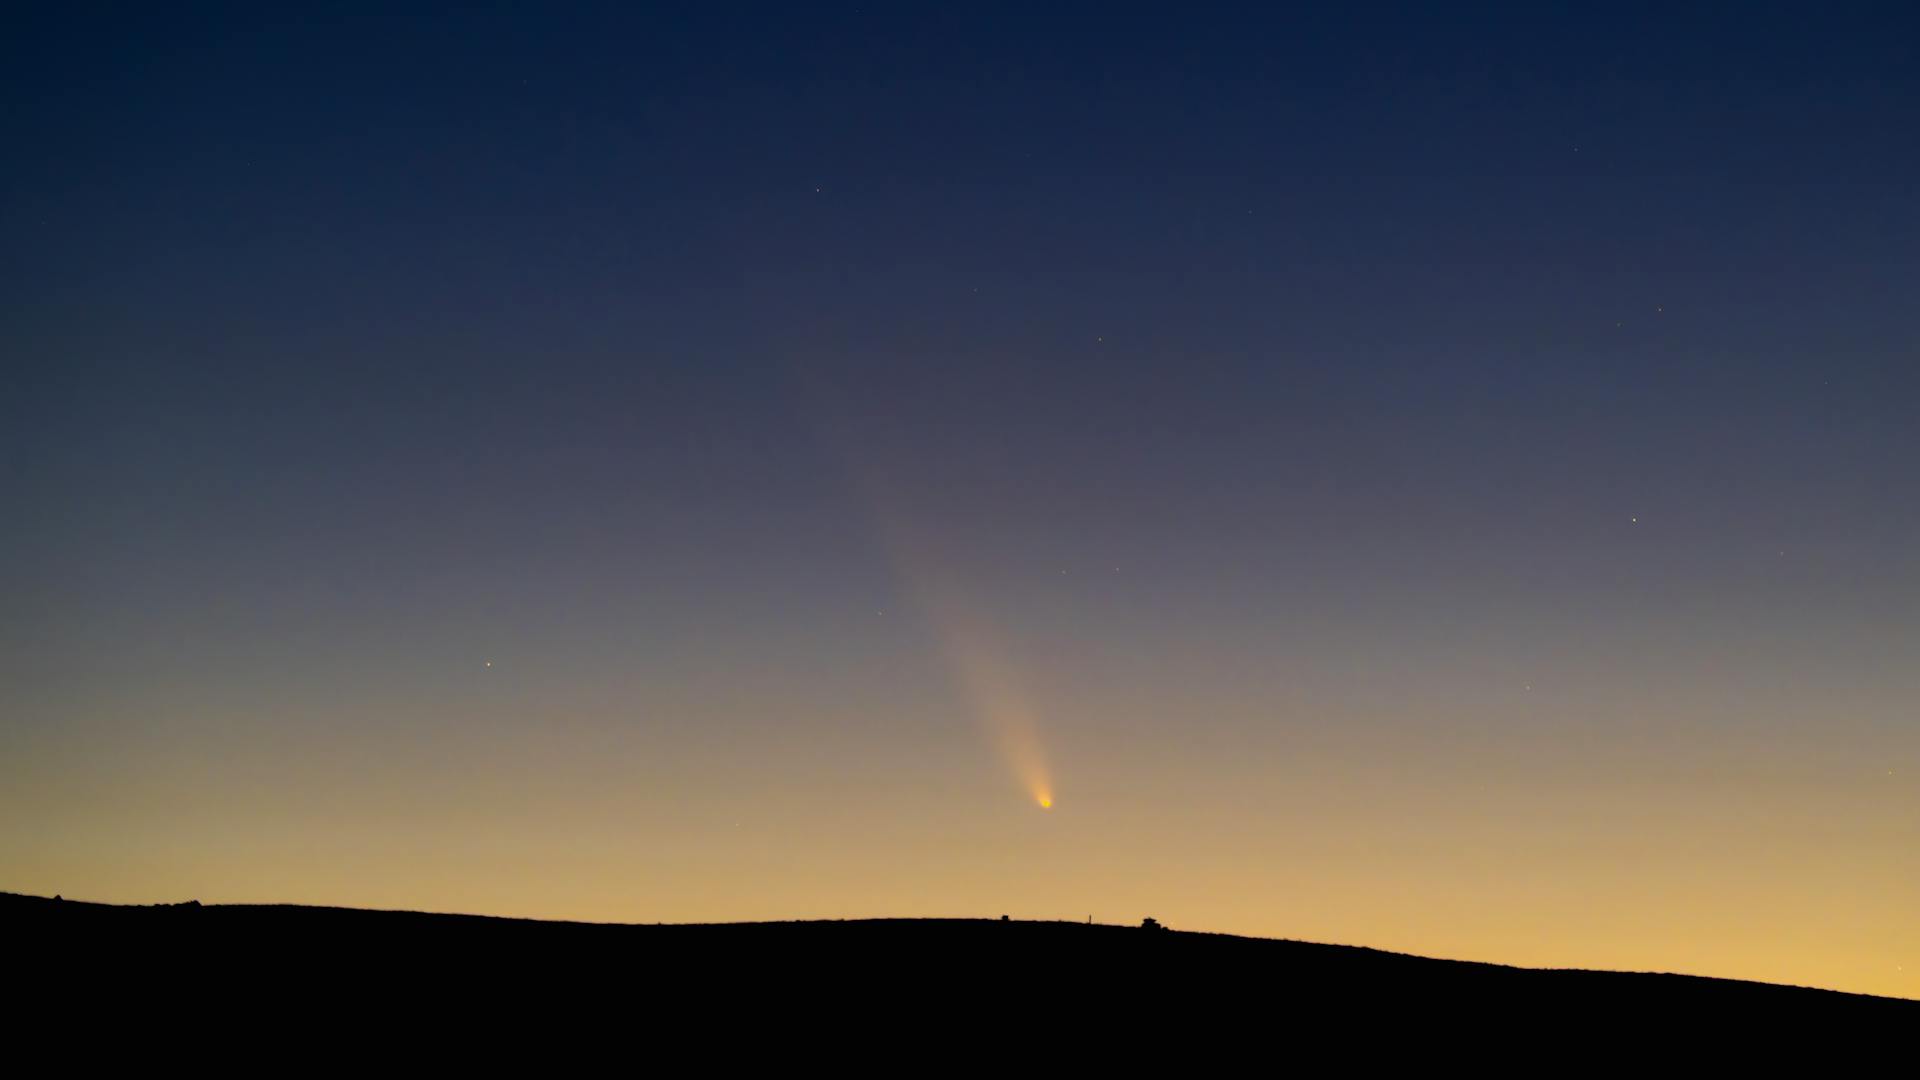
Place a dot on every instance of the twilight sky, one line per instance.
(1435, 479)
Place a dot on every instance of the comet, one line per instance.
(973, 647)
(994, 688)
(975, 651)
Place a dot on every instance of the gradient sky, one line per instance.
(1430, 479)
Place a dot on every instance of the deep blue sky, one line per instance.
(1252, 374)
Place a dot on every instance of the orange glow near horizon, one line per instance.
(1241, 781)
(1657, 857)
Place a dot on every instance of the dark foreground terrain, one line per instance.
(989, 977)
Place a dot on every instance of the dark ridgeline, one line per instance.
(911, 970)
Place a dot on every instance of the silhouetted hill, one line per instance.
(285, 959)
